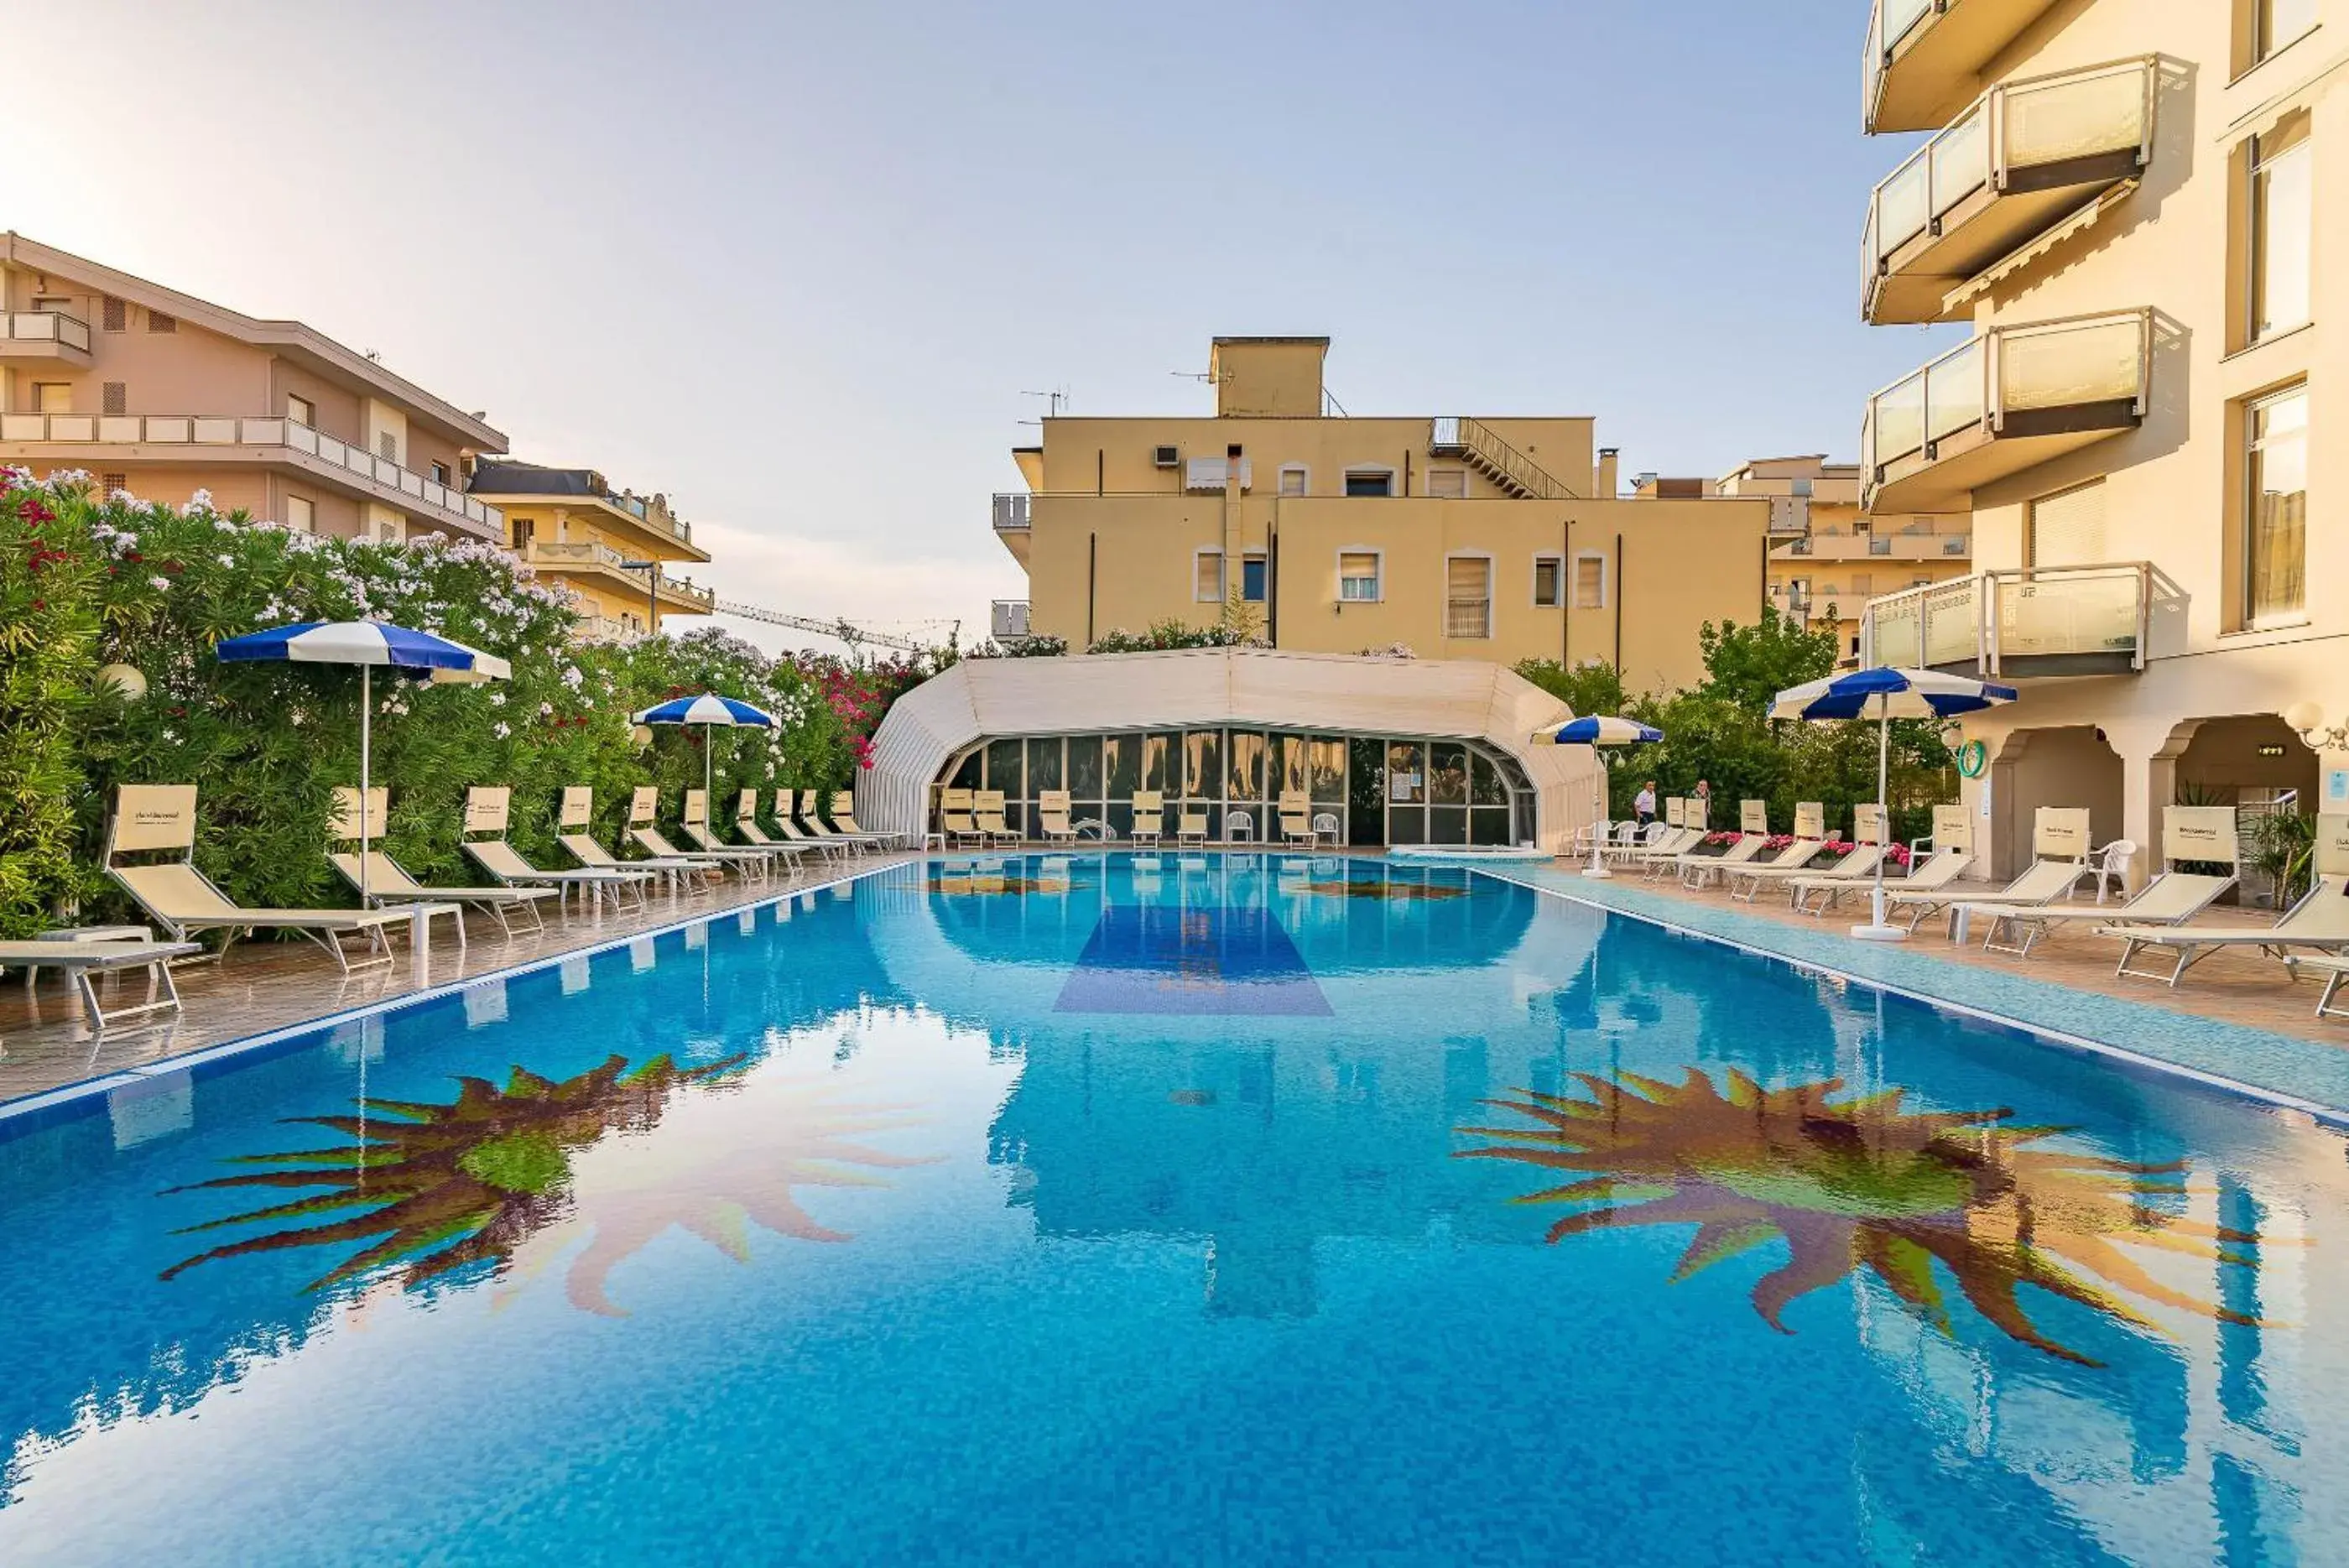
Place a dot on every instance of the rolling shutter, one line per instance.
(2067, 529)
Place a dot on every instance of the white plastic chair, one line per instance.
(1325, 826)
(1240, 827)
(2110, 867)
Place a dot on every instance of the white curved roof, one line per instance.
(1326, 692)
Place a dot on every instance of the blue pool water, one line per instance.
(1159, 1210)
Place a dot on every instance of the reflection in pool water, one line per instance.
(1191, 1281)
(1858, 1183)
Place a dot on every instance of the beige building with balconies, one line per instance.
(2131, 203)
(1494, 539)
(1827, 556)
(164, 394)
(610, 548)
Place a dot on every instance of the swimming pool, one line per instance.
(1188, 1210)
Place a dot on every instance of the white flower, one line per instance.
(161, 584)
(497, 699)
(546, 709)
(228, 560)
(502, 731)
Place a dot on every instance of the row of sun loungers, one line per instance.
(978, 819)
(2165, 930)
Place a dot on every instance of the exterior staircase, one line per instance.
(1474, 443)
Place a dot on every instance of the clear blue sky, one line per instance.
(796, 265)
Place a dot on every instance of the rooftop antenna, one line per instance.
(1055, 402)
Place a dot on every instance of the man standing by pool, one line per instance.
(1643, 805)
(1704, 802)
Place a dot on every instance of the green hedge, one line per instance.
(87, 582)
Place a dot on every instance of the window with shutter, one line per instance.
(301, 411)
(1468, 597)
(2067, 529)
(1207, 578)
(388, 446)
(1590, 582)
(53, 397)
(300, 515)
(1357, 578)
(1448, 483)
(115, 398)
(1293, 480)
(115, 314)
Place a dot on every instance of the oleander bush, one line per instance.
(89, 582)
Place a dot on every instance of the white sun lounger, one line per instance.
(1941, 868)
(2319, 922)
(2172, 899)
(2335, 969)
(84, 958)
(388, 883)
(2043, 882)
(183, 900)
(1745, 882)
(487, 809)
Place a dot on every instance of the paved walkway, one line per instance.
(46, 1044)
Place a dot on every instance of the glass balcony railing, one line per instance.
(1007, 620)
(2062, 133)
(2050, 620)
(43, 327)
(1922, 56)
(1011, 512)
(2076, 379)
(406, 488)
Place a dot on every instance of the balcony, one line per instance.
(1006, 620)
(2033, 623)
(183, 437)
(1012, 514)
(2024, 157)
(575, 558)
(2009, 400)
(1909, 545)
(1925, 57)
(1790, 514)
(605, 629)
(45, 334)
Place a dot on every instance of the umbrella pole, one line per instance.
(708, 813)
(1879, 929)
(1598, 867)
(367, 724)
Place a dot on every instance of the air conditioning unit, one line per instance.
(1166, 457)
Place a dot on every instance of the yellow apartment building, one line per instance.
(1828, 557)
(608, 547)
(2130, 204)
(164, 394)
(1492, 539)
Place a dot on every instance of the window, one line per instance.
(53, 397)
(300, 515)
(301, 411)
(523, 530)
(1252, 579)
(114, 316)
(2276, 23)
(1207, 578)
(1549, 574)
(387, 446)
(1448, 483)
(2282, 200)
(2067, 529)
(63, 301)
(1294, 481)
(1468, 597)
(2276, 536)
(1369, 482)
(114, 398)
(1357, 578)
(159, 322)
(1590, 582)
(440, 473)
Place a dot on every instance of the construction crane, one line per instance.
(848, 631)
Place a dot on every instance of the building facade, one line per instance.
(164, 394)
(1489, 539)
(2129, 204)
(610, 548)
(1827, 556)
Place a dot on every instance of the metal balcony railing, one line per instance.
(1992, 621)
(2082, 360)
(1011, 512)
(572, 555)
(1505, 465)
(1790, 514)
(2040, 125)
(406, 487)
(45, 327)
(1007, 620)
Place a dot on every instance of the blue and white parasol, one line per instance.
(1597, 731)
(416, 655)
(1885, 695)
(711, 710)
